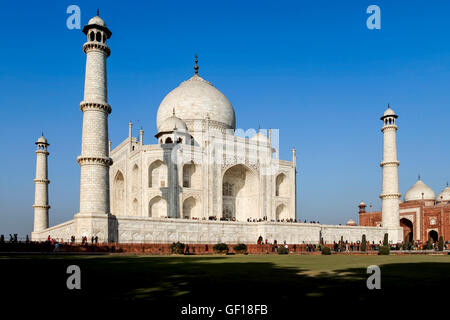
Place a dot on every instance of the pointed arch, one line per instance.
(157, 174)
(281, 212)
(192, 175)
(135, 208)
(191, 208)
(135, 179)
(118, 203)
(281, 186)
(157, 207)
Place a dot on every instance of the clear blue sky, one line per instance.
(310, 68)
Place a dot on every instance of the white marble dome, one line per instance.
(444, 195)
(98, 21)
(42, 140)
(196, 99)
(416, 191)
(169, 124)
(351, 222)
(389, 112)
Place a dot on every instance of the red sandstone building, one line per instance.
(422, 215)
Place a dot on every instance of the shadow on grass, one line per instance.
(169, 283)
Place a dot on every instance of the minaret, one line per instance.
(390, 197)
(41, 186)
(141, 136)
(94, 159)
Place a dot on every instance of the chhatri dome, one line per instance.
(171, 123)
(97, 20)
(197, 99)
(419, 191)
(444, 195)
(389, 112)
(41, 140)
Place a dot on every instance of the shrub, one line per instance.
(326, 251)
(177, 248)
(363, 243)
(282, 250)
(384, 250)
(441, 243)
(385, 240)
(220, 248)
(240, 248)
(428, 246)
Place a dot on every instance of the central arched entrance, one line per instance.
(240, 193)
(407, 226)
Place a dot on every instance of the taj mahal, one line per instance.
(201, 180)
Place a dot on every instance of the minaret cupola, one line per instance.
(96, 30)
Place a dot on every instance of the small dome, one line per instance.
(444, 195)
(351, 223)
(41, 141)
(172, 123)
(389, 112)
(362, 204)
(260, 137)
(197, 99)
(98, 21)
(419, 191)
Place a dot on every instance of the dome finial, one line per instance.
(419, 177)
(173, 111)
(196, 64)
(98, 12)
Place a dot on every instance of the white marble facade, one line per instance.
(202, 180)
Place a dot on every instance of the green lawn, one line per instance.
(280, 281)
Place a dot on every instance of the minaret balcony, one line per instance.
(94, 45)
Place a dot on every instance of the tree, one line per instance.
(385, 240)
(363, 243)
(406, 243)
(441, 243)
(428, 246)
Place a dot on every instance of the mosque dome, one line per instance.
(171, 123)
(98, 21)
(351, 223)
(416, 191)
(197, 99)
(444, 195)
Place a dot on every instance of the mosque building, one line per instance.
(422, 215)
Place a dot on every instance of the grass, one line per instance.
(280, 281)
